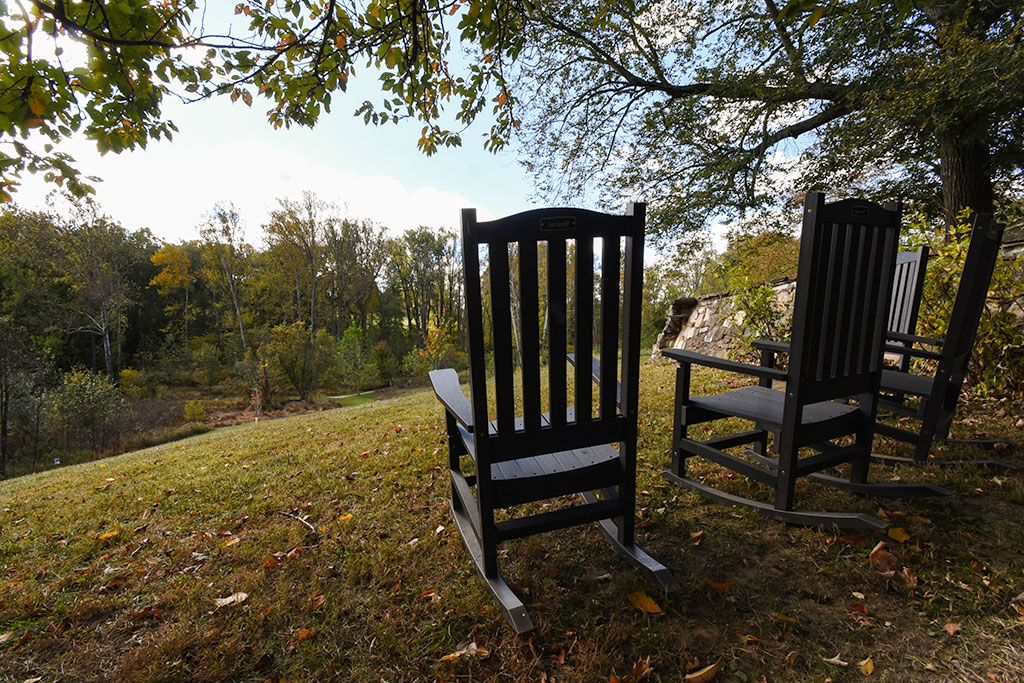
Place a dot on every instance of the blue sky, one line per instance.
(228, 152)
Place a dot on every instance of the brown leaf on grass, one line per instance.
(270, 564)
(294, 552)
(787, 619)
(704, 675)
(898, 534)
(749, 639)
(1019, 606)
(953, 628)
(316, 601)
(4, 637)
(918, 519)
(791, 658)
(430, 595)
(866, 666)
(720, 587)
(148, 612)
(881, 559)
(641, 670)
(857, 607)
(643, 602)
(24, 638)
(1019, 598)
(304, 633)
(907, 578)
(468, 649)
(696, 537)
(233, 599)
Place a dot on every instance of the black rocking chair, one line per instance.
(845, 276)
(567, 450)
(937, 395)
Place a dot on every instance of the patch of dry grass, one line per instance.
(381, 587)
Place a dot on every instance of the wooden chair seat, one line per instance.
(526, 480)
(906, 383)
(766, 406)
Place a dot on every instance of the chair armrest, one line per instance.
(912, 352)
(770, 345)
(914, 339)
(683, 356)
(595, 373)
(449, 393)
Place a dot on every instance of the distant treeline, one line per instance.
(92, 314)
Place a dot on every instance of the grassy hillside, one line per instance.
(334, 526)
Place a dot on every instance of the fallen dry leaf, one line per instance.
(720, 587)
(304, 633)
(231, 541)
(4, 637)
(641, 670)
(857, 607)
(866, 666)
(345, 517)
(898, 534)
(704, 675)
(317, 601)
(643, 602)
(953, 628)
(109, 534)
(836, 660)
(749, 639)
(270, 564)
(787, 619)
(918, 519)
(881, 559)
(233, 599)
(696, 537)
(469, 649)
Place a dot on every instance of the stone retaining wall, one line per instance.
(708, 324)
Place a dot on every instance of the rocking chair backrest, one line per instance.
(907, 287)
(847, 259)
(553, 235)
(982, 253)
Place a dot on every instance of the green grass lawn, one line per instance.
(334, 525)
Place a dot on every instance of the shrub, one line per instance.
(87, 406)
(303, 358)
(997, 362)
(416, 364)
(133, 383)
(194, 411)
(757, 314)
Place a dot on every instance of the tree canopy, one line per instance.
(703, 108)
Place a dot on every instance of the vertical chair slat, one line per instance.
(530, 334)
(844, 295)
(475, 325)
(584, 342)
(556, 331)
(501, 316)
(609, 324)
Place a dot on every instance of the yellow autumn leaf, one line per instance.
(642, 601)
(866, 666)
(346, 517)
(704, 675)
(898, 534)
(787, 619)
(918, 519)
(304, 633)
(231, 541)
(109, 534)
(695, 537)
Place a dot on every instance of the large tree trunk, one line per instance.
(966, 178)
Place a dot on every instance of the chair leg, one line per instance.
(509, 603)
(679, 428)
(785, 484)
